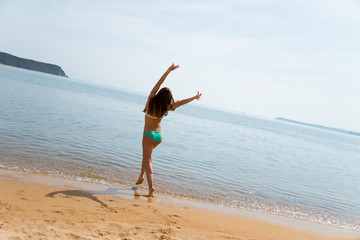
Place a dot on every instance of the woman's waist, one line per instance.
(152, 129)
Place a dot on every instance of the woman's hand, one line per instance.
(173, 67)
(197, 97)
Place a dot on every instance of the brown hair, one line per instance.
(160, 103)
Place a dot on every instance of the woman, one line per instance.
(157, 106)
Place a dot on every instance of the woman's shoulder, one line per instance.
(171, 107)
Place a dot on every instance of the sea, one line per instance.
(76, 130)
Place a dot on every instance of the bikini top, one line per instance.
(152, 116)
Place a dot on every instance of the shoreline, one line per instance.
(55, 208)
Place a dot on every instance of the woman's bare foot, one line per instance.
(151, 192)
(140, 181)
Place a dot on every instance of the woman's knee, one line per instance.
(148, 167)
(147, 158)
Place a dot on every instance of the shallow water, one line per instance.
(92, 133)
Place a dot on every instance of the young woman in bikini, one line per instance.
(157, 106)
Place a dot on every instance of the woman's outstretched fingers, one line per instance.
(198, 96)
(173, 67)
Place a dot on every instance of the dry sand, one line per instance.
(61, 209)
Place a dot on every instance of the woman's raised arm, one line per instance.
(161, 80)
(185, 101)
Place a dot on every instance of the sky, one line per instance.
(297, 59)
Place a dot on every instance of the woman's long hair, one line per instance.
(160, 103)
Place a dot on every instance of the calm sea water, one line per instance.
(60, 127)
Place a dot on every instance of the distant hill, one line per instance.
(29, 64)
(318, 126)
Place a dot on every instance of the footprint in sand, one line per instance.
(166, 231)
(73, 236)
(111, 209)
(58, 212)
(50, 220)
(164, 237)
(174, 218)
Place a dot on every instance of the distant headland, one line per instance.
(29, 64)
(319, 126)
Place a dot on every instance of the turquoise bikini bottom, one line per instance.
(155, 135)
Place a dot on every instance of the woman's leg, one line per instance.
(141, 178)
(148, 146)
(142, 173)
(146, 167)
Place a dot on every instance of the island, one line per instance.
(318, 126)
(29, 64)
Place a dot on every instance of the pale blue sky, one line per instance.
(297, 59)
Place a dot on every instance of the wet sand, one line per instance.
(43, 207)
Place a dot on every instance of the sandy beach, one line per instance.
(43, 207)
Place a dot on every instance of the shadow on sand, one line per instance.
(91, 194)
